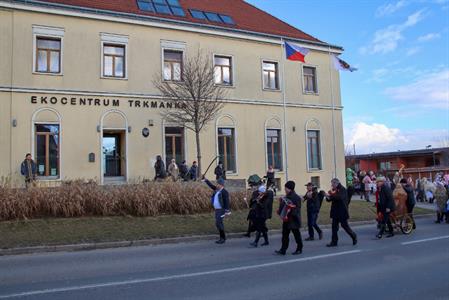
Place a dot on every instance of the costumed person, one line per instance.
(350, 183)
(411, 200)
(28, 169)
(159, 169)
(262, 205)
(219, 171)
(362, 175)
(314, 200)
(173, 170)
(386, 206)
(429, 190)
(183, 170)
(441, 198)
(420, 190)
(290, 213)
(367, 184)
(220, 201)
(339, 214)
(271, 183)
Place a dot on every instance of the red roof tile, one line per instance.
(246, 16)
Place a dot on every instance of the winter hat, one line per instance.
(221, 181)
(262, 189)
(290, 185)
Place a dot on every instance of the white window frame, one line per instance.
(51, 33)
(172, 46)
(311, 170)
(232, 85)
(267, 60)
(317, 93)
(167, 124)
(217, 152)
(113, 39)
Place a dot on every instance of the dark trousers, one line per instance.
(312, 217)
(286, 237)
(385, 222)
(219, 222)
(344, 224)
(410, 213)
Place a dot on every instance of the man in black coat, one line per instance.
(313, 208)
(290, 212)
(261, 211)
(338, 196)
(411, 200)
(385, 206)
(220, 202)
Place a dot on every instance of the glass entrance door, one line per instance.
(111, 155)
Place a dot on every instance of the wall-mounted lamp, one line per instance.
(98, 128)
(294, 128)
(14, 122)
(129, 129)
(150, 123)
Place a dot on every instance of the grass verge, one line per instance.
(60, 231)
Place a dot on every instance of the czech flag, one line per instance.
(295, 52)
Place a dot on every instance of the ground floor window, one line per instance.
(47, 149)
(226, 148)
(174, 145)
(313, 149)
(274, 148)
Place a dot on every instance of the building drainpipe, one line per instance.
(10, 93)
(285, 108)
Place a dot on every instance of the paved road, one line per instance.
(403, 267)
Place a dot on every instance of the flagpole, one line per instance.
(285, 108)
(333, 117)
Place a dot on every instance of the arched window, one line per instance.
(46, 144)
(273, 140)
(313, 142)
(226, 143)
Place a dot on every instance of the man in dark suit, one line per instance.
(290, 212)
(339, 212)
(220, 202)
(386, 206)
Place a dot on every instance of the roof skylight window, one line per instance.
(167, 7)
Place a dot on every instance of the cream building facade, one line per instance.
(78, 122)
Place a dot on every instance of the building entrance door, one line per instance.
(112, 155)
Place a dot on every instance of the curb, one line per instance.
(174, 240)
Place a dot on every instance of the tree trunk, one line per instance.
(198, 151)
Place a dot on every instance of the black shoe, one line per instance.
(264, 244)
(354, 241)
(309, 239)
(297, 252)
(220, 241)
(320, 235)
(390, 235)
(279, 252)
(253, 244)
(331, 245)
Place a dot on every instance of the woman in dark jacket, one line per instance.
(386, 206)
(159, 168)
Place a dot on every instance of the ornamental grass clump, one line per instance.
(82, 199)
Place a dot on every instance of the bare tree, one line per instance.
(196, 98)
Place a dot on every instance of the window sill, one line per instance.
(311, 93)
(48, 178)
(47, 73)
(114, 78)
(225, 85)
(315, 170)
(271, 90)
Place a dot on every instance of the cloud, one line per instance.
(390, 8)
(428, 37)
(412, 51)
(431, 90)
(386, 40)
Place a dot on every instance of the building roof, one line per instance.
(419, 152)
(247, 17)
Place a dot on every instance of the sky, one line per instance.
(399, 97)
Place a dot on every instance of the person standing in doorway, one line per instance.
(312, 197)
(385, 206)
(290, 213)
(338, 197)
(28, 169)
(220, 202)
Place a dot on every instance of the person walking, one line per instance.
(193, 172)
(339, 214)
(260, 203)
(220, 202)
(441, 198)
(183, 170)
(312, 197)
(411, 200)
(367, 184)
(28, 169)
(219, 171)
(159, 169)
(290, 213)
(386, 206)
(173, 170)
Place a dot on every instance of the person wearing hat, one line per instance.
(290, 213)
(339, 212)
(386, 206)
(411, 200)
(313, 208)
(220, 202)
(260, 205)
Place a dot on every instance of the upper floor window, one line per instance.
(114, 60)
(173, 65)
(48, 55)
(313, 149)
(223, 70)
(270, 75)
(310, 82)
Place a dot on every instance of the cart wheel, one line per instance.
(406, 224)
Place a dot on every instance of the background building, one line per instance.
(76, 90)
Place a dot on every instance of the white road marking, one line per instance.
(426, 240)
(179, 276)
